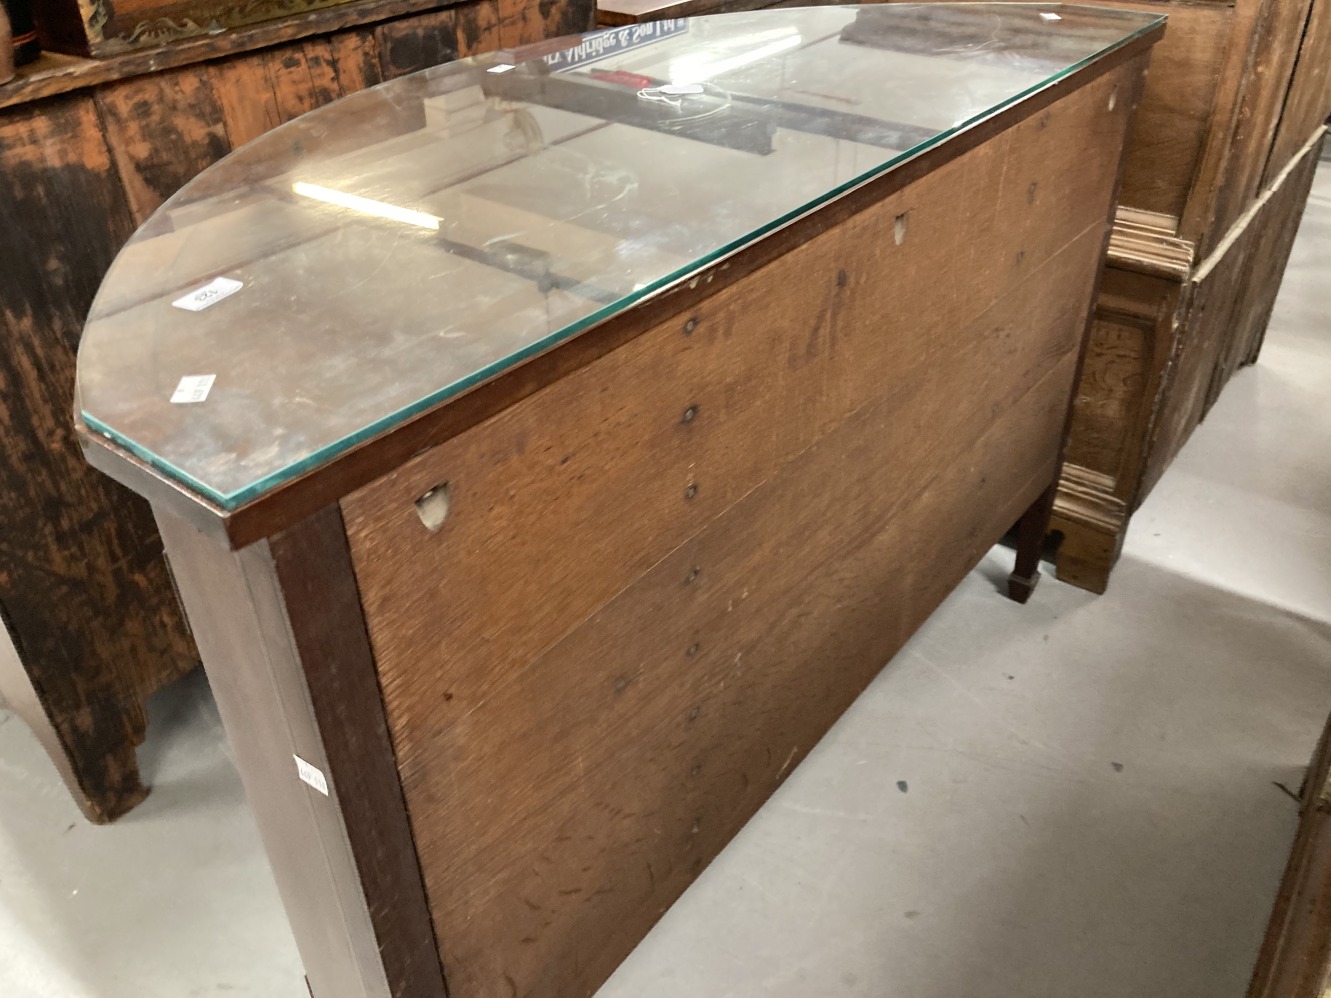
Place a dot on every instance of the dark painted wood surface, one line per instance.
(84, 591)
(313, 568)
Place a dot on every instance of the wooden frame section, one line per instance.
(281, 633)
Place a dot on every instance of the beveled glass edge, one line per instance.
(231, 501)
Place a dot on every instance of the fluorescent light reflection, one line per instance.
(367, 206)
(699, 69)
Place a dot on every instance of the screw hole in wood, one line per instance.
(433, 507)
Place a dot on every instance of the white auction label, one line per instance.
(311, 775)
(503, 67)
(210, 294)
(193, 388)
(1050, 17)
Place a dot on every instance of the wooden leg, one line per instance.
(1031, 530)
(92, 747)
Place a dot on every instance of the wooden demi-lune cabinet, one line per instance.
(548, 452)
(1220, 162)
(89, 148)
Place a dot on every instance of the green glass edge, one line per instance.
(234, 500)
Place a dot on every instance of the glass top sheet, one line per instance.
(369, 260)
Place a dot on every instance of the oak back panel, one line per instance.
(661, 578)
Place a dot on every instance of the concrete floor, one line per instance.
(1075, 799)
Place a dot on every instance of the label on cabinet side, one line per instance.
(311, 775)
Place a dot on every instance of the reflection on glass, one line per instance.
(367, 206)
(408, 242)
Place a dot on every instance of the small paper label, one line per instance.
(193, 388)
(503, 67)
(681, 89)
(311, 775)
(210, 294)
(1045, 16)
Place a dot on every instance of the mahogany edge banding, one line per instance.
(313, 565)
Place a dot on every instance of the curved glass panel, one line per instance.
(373, 258)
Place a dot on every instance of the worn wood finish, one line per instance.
(83, 589)
(522, 22)
(54, 73)
(1160, 354)
(616, 13)
(1275, 52)
(1295, 959)
(1174, 153)
(713, 513)
(563, 690)
(109, 27)
(84, 593)
(280, 628)
(205, 112)
(1224, 294)
(1273, 234)
(1131, 338)
(1162, 349)
(1309, 98)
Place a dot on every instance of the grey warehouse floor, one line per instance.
(1075, 799)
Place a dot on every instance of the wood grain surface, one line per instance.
(1280, 33)
(202, 113)
(1295, 958)
(84, 592)
(726, 525)
(1274, 231)
(1308, 101)
(55, 74)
